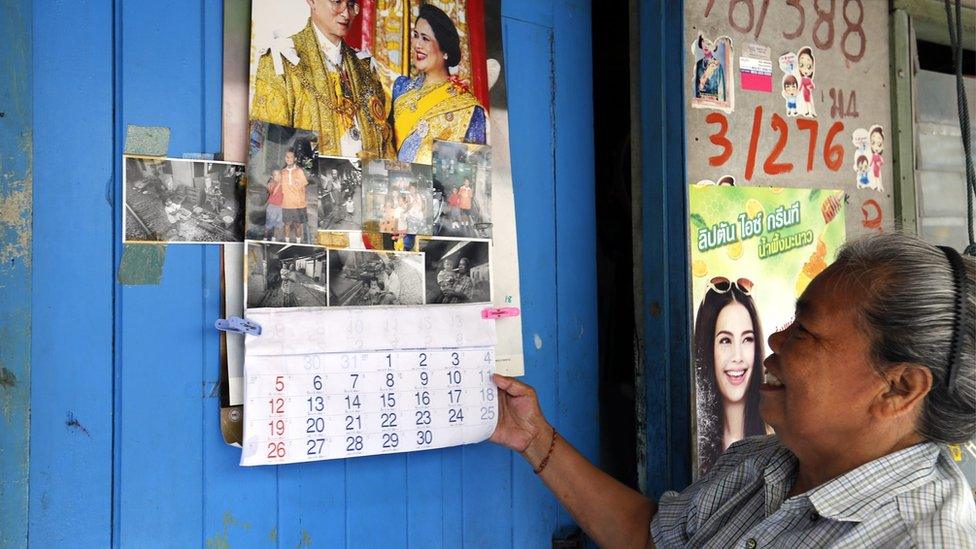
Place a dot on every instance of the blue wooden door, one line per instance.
(125, 446)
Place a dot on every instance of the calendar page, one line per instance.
(337, 383)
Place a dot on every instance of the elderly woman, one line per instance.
(434, 105)
(874, 373)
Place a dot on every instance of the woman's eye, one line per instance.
(748, 339)
(724, 341)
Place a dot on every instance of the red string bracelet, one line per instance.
(545, 460)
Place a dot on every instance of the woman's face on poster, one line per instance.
(806, 64)
(735, 351)
(877, 143)
(426, 51)
(707, 47)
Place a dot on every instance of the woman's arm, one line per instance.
(612, 514)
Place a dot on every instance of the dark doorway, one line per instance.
(615, 265)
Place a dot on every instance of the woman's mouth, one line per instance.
(419, 55)
(736, 376)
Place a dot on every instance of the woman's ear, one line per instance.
(908, 384)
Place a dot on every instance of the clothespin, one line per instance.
(499, 312)
(238, 325)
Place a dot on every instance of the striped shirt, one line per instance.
(916, 497)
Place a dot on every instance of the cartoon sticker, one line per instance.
(713, 82)
(724, 181)
(797, 84)
(869, 157)
(756, 69)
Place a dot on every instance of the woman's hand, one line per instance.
(521, 425)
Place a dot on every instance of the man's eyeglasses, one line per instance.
(723, 285)
(339, 6)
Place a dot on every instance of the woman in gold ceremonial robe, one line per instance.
(434, 105)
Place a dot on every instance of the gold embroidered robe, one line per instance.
(309, 96)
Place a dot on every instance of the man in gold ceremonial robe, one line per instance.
(323, 85)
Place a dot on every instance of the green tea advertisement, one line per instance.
(753, 252)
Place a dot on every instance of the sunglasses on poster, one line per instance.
(722, 285)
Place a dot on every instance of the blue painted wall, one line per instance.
(15, 267)
(125, 446)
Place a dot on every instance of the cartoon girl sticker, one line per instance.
(713, 84)
(806, 65)
(791, 90)
(876, 140)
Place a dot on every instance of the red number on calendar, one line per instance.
(277, 427)
(280, 383)
(276, 450)
(277, 405)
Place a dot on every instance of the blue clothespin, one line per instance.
(238, 325)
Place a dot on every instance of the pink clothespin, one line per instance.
(499, 312)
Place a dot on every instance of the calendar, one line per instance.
(327, 384)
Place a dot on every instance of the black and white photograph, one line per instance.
(367, 278)
(399, 198)
(340, 193)
(462, 189)
(458, 271)
(286, 275)
(190, 201)
(283, 184)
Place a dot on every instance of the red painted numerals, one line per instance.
(833, 153)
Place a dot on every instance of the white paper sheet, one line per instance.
(336, 383)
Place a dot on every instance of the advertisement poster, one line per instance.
(754, 250)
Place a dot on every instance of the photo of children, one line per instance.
(458, 271)
(172, 200)
(284, 275)
(340, 193)
(462, 183)
(368, 278)
(398, 198)
(283, 184)
(713, 80)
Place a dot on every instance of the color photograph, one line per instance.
(383, 78)
(398, 198)
(282, 191)
(462, 187)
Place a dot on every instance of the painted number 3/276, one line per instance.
(853, 42)
(833, 153)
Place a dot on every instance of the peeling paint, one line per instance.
(73, 423)
(538, 341)
(306, 540)
(273, 535)
(7, 379)
(15, 212)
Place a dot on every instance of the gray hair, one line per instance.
(909, 311)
